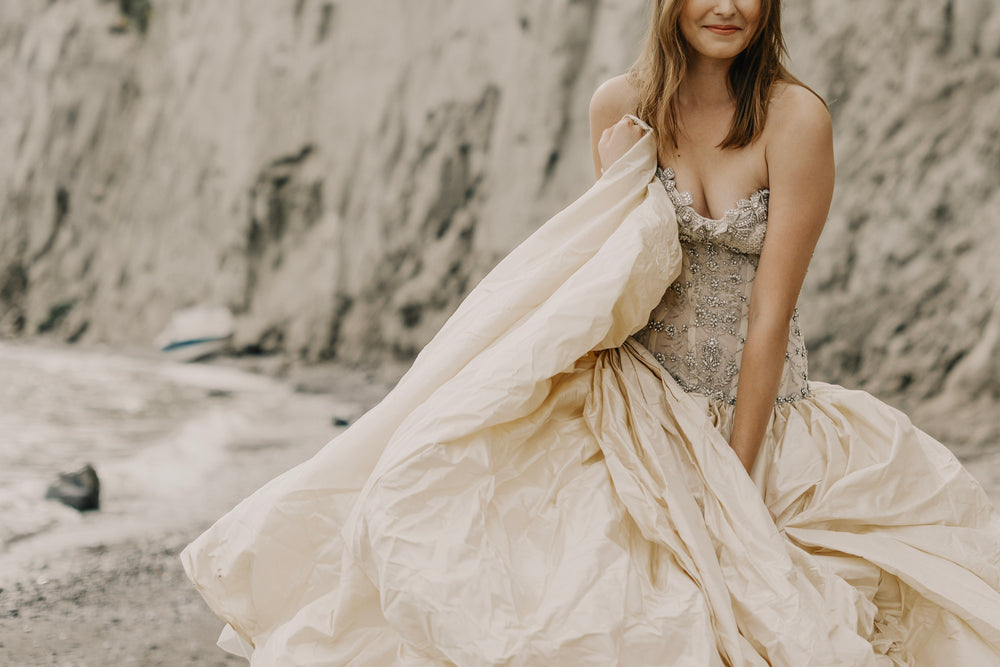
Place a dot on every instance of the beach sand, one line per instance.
(107, 588)
(111, 604)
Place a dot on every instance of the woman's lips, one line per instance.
(723, 29)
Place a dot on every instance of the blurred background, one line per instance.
(306, 189)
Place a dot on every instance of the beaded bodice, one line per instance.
(698, 329)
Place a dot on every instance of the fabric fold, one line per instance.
(537, 489)
(590, 275)
(687, 490)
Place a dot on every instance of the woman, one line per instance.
(727, 134)
(562, 476)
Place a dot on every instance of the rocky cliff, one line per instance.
(340, 174)
(903, 297)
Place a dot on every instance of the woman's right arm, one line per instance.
(800, 165)
(611, 101)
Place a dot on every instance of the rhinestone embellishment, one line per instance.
(741, 228)
(698, 330)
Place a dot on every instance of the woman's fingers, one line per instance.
(622, 133)
(625, 123)
(617, 139)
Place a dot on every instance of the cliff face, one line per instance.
(903, 296)
(340, 174)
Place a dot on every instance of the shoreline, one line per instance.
(108, 587)
(263, 415)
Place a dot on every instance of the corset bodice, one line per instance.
(698, 329)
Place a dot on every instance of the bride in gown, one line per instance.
(612, 454)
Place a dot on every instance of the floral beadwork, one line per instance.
(741, 228)
(698, 330)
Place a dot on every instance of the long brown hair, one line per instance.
(662, 65)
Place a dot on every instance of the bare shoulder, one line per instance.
(799, 155)
(613, 99)
(797, 113)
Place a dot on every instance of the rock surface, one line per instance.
(80, 489)
(340, 174)
(903, 296)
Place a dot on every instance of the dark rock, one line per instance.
(80, 490)
(136, 12)
(340, 421)
(57, 313)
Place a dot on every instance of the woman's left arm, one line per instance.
(799, 154)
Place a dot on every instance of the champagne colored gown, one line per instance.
(551, 484)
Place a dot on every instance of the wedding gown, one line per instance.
(551, 484)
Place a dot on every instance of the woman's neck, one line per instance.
(706, 84)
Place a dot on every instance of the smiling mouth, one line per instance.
(723, 29)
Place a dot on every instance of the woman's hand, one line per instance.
(616, 140)
(611, 102)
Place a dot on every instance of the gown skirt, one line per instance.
(538, 490)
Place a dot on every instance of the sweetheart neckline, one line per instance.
(685, 198)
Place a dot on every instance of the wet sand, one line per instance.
(109, 588)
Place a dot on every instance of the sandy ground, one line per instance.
(110, 590)
(121, 604)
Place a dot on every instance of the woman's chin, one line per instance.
(718, 51)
